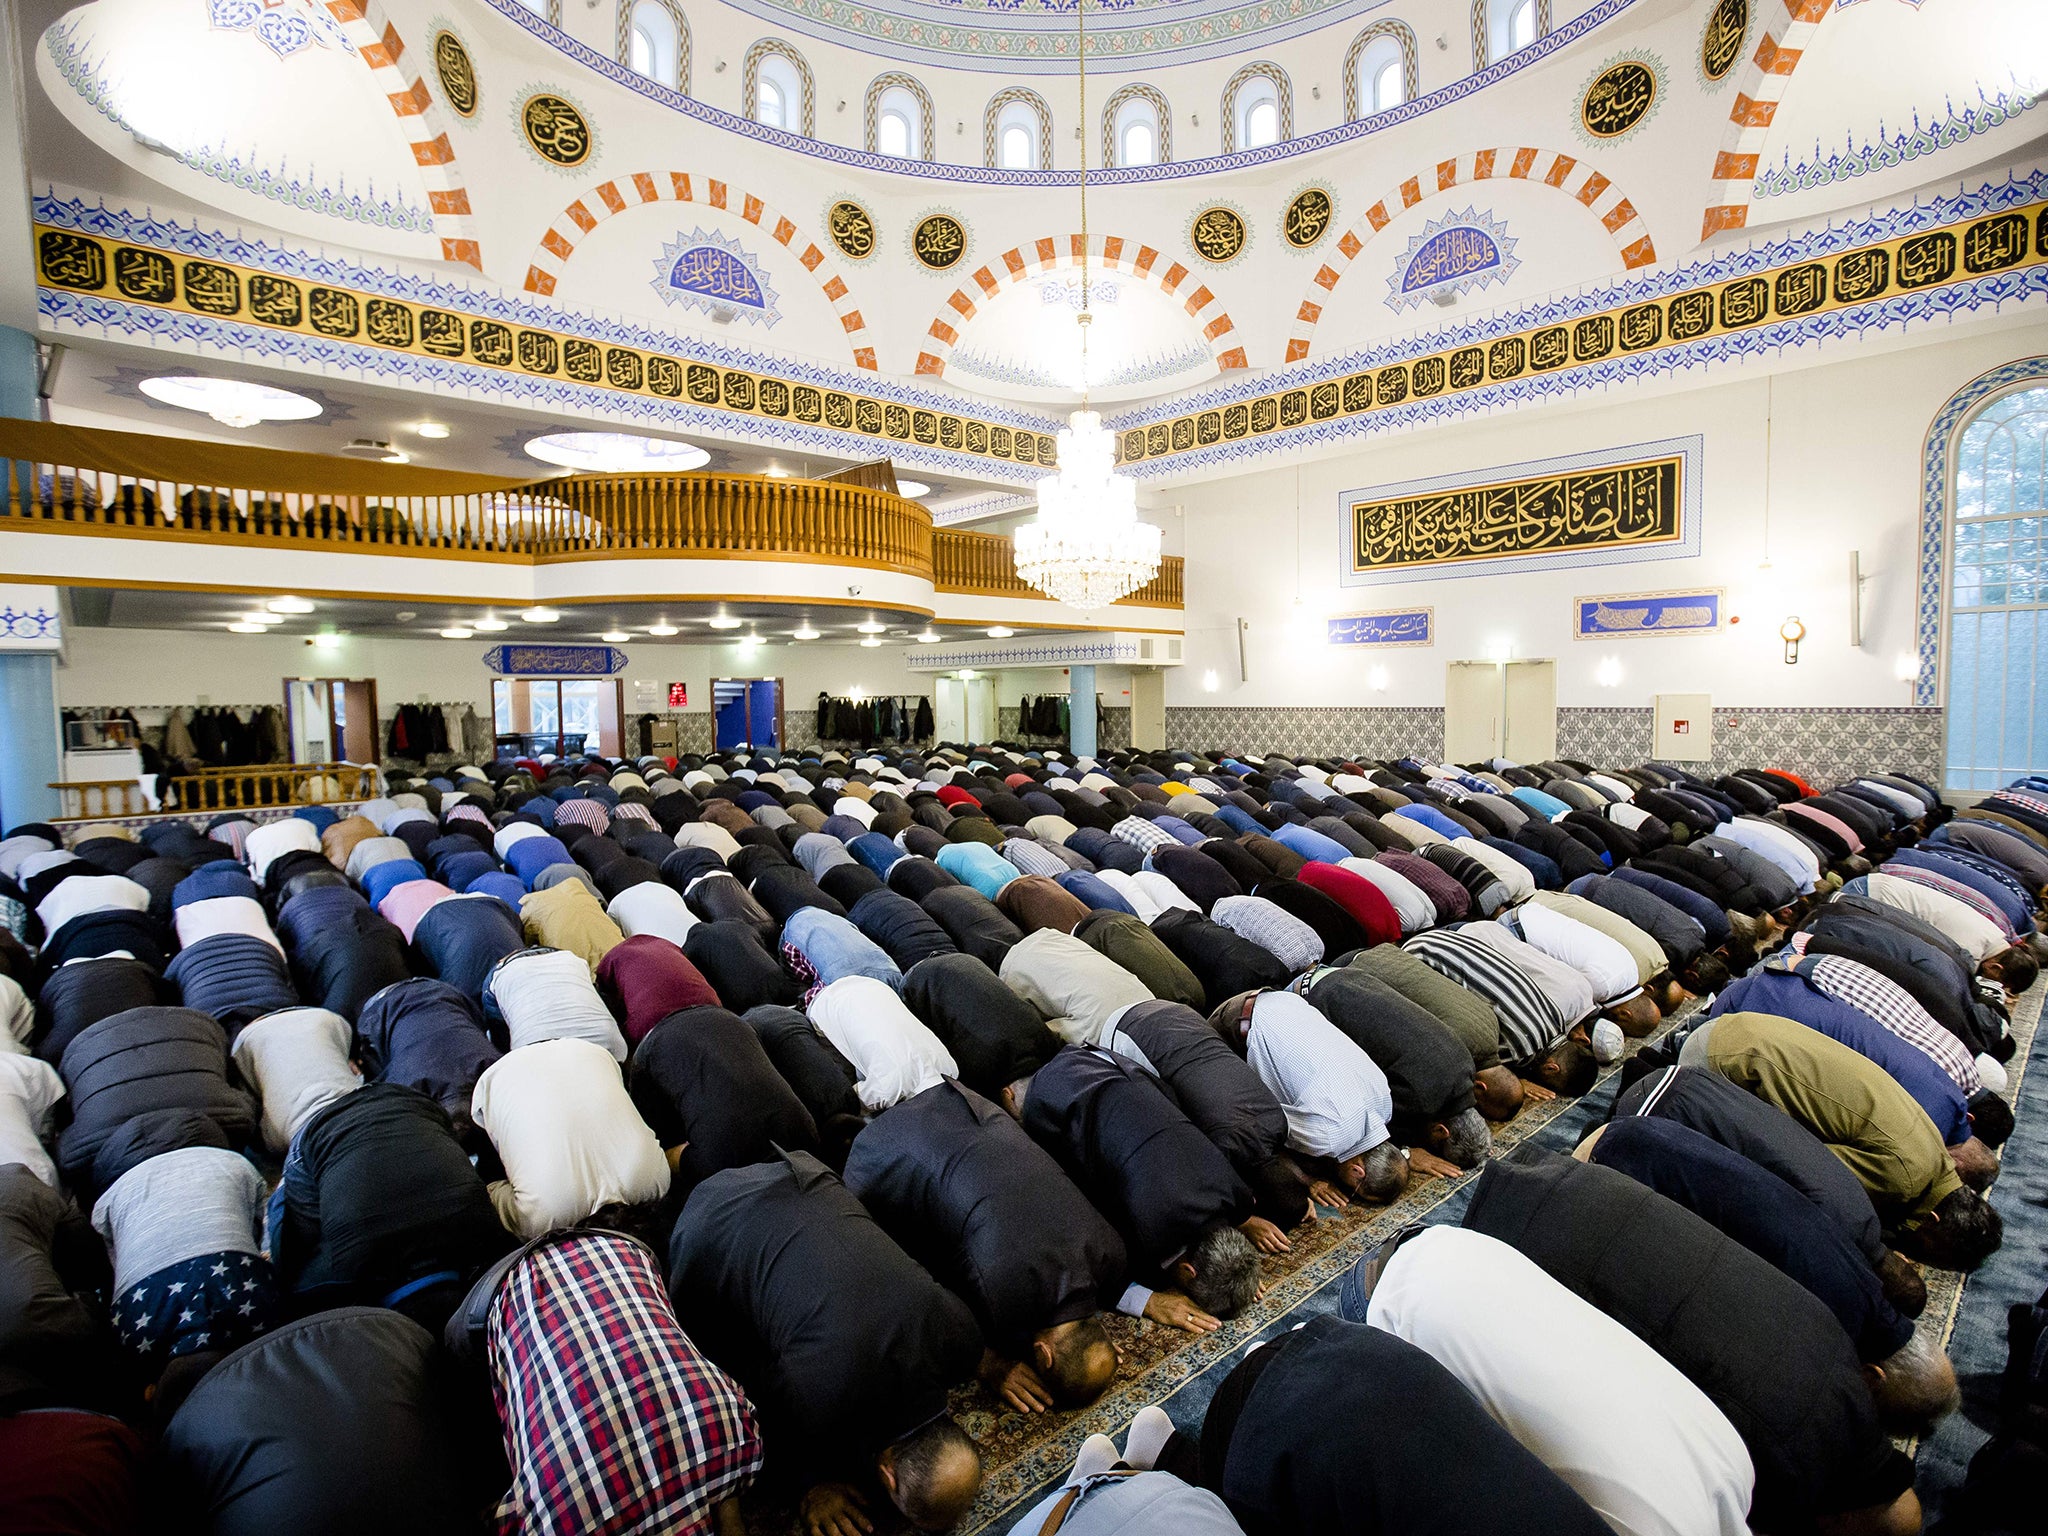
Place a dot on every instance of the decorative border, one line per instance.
(1764, 80)
(1889, 153)
(1047, 653)
(1650, 602)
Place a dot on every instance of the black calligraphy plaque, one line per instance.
(1593, 338)
(700, 382)
(939, 241)
(457, 74)
(1746, 302)
(1641, 327)
(538, 353)
(491, 342)
(1133, 446)
(665, 377)
(1293, 408)
(1265, 415)
(1862, 275)
(1927, 259)
(1550, 347)
(806, 403)
(213, 289)
(275, 300)
(949, 431)
(1619, 97)
(851, 229)
(1392, 387)
(1690, 315)
(443, 334)
(1468, 367)
(1324, 402)
(1237, 420)
(1506, 358)
(1721, 43)
(924, 427)
(387, 323)
(332, 312)
(1217, 234)
(621, 366)
(1209, 428)
(1800, 290)
(839, 412)
(148, 276)
(867, 417)
(771, 394)
(1992, 245)
(1358, 393)
(71, 261)
(1427, 376)
(583, 361)
(739, 391)
(1158, 440)
(555, 129)
(999, 442)
(896, 422)
(1308, 218)
(1184, 434)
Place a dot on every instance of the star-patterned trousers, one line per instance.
(215, 1301)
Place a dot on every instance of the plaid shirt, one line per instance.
(1140, 833)
(1272, 927)
(1876, 994)
(581, 811)
(613, 1421)
(1976, 901)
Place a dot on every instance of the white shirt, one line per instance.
(1336, 1098)
(13, 850)
(1076, 988)
(1604, 962)
(1410, 902)
(651, 907)
(1906, 805)
(1955, 921)
(568, 1135)
(1613, 786)
(547, 994)
(1799, 862)
(17, 1016)
(90, 893)
(1510, 872)
(707, 834)
(1627, 816)
(1159, 891)
(1570, 992)
(895, 1055)
(515, 832)
(1631, 1436)
(271, 841)
(857, 808)
(297, 1059)
(29, 1090)
(216, 915)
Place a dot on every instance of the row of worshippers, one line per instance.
(1087, 1108)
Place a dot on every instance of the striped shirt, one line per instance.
(1876, 994)
(581, 811)
(1272, 927)
(1033, 858)
(1529, 1024)
(1975, 900)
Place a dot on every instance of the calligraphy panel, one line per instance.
(1696, 612)
(1386, 627)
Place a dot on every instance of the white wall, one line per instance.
(1846, 448)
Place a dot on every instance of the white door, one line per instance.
(1531, 711)
(949, 709)
(1472, 711)
(981, 709)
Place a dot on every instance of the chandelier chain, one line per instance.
(1081, 56)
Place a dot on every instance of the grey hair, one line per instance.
(1226, 1271)
(1468, 1141)
(1383, 1174)
(1919, 1387)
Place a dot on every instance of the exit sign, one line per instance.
(678, 695)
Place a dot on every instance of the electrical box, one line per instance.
(1684, 731)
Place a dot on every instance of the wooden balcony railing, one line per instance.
(983, 564)
(274, 784)
(95, 799)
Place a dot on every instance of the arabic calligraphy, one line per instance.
(715, 274)
(851, 230)
(939, 241)
(1217, 234)
(555, 660)
(555, 129)
(1449, 255)
(1721, 44)
(1648, 613)
(1308, 218)
(458, 75)
(1623, 504)
(1401, 626)
(1618, 99)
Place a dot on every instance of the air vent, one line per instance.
(374, 448)
(724, 316)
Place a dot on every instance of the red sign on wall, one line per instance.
(678, 695)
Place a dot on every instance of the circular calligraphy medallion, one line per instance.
(852, 229)
(555, 129)
(1218, 234)
(458, 75)
(1308, 217)
(1620, 97)
(939, 241)
(1721, 43)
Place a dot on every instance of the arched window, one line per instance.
(1137, 128)
(1379, 70)
(1258, 108)
(1502, 27)
(654, 40)
(1016, 131)
(549, 11)
(899, 118)
(1998, 595)
(776, 87)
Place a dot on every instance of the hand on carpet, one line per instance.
(1265, 1237)
(1536, 1093)
(1323, 1192)
(1422, 1163)
(1176, 1311)
(1015, 1382)
(834, 1509)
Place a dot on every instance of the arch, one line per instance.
(627, 12)
(807, 89)
(1787, 33)
(1411, 69)
(1233, 88)
(880, 86)
(1162, 118)
(623, 192)
(1484, 14)
(420, 118)
(1568, 174)
(549, 11)
(1113, 254)
(1937, 490)
(1041, 116)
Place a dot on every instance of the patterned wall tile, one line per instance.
(1817, 744)
(1308, 731)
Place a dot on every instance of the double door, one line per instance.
(1500, 709)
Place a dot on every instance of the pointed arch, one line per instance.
(807, 87)
(1787, 33)
(622, 192)
(894, 80)
(1162, 116)
(1112, 253)
(991, 120)
(1567, 174)
(1411, 68)
(677, 19)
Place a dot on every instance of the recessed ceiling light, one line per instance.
(433, 429)
(872, 628)
(664, 629)
(750, 641)
(616, 453)
(929, 637)
(776, 472)
(231, 402)
(615, 637)
(806, 633)
(260, 617)
(457, 633)
(327, 641)
(912, 488)
(249, 629)
(723, 621)
(489, 623)
(870, 643)
(406, 616)
(289, 605)
(540, 616)
(999, 632)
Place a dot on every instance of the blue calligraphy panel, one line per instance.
(715, 274)
(1402, 626)
(1649, 613)
(555, 660)
(1447, 256)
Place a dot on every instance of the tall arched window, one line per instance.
(1016, 131)
(549, 11)
(1998, 595)
(654, 40)
(776, 87)
(1502, 27)
(1380, 70)
(899, 118)
(1258, 108)
(1137, 128)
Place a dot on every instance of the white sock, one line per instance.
(1098, 1454)
(1150, 1431)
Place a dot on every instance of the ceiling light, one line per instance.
(968, 674)
(929, 637)
(231, 402)
(750, 641)
(249, 629)
(872, 628)
(406, 616)
(871, 643)
(432, 429)
(999, 632)
(260, 617)
(540, 616)
(723, 621)
(489, 623)
(289, 605)
(776, 472)
(328, 640)
(457, 633)
(615, 637)
(616, 453)
(806, 633)
(912, 489)
(664, 629)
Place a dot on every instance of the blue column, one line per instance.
(1081, 710)
(29, 732)
(19, 374)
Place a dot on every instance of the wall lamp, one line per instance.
(1792, 632)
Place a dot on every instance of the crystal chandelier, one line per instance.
(1086, 547)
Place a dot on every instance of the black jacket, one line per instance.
(1678, 935)
(1223, 962)
(973, 922)
(1428, 1069)
(739, 966)
(428, 1036)
(1214, 1086)
(55, 1345)
(142, 1060)
(1765, 1350)
(905, 930)
(995, 1037)
(702, 1081)
(79, 996)
(460, 942)
(982, 1206)
(235, 977)
(341, 950)
(811, 1065)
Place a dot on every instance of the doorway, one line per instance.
(331, 719)
(1500, 709)
(949, 711)
(746, 713)
(558, 716)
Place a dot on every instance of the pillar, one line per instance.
(30, 736)
(1148, 708)
(1081, 710)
